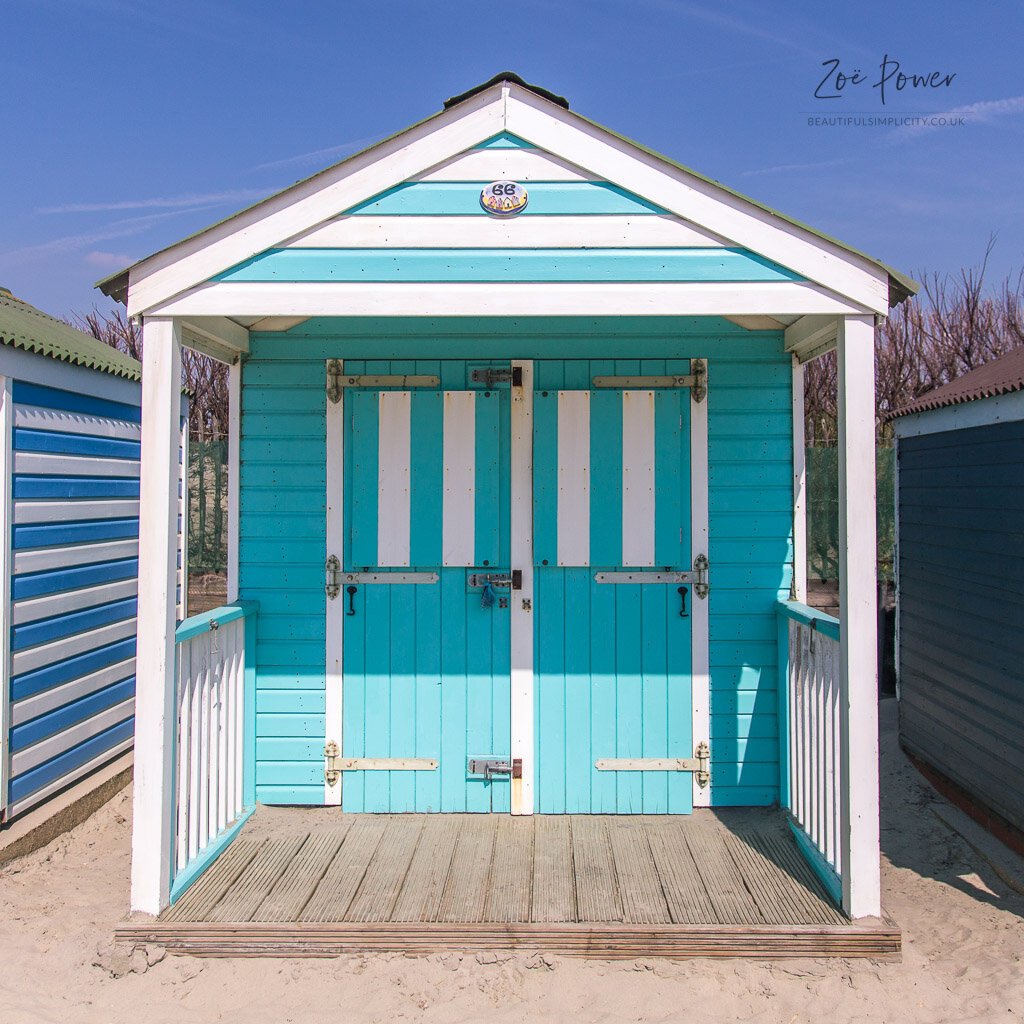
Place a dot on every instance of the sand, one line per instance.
(963, 944)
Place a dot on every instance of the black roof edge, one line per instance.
(507, 76)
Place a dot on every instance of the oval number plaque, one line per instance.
(504, 198)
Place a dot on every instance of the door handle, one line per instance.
(682, 603)
(351, 591)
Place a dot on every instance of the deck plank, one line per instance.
(293, 889)
(386, 871)
(554, 887)
(722, 879)
(252, 885)
(199, 900)
(597, 891)
(331, 898)
(420, 896)
(643, 899)
(798, 874)
(684, 890)
(509, 892)
(466, 888)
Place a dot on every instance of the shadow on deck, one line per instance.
(318, 882)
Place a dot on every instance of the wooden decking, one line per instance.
(316, 882)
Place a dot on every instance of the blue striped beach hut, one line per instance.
(517, 518)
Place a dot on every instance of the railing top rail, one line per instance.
(819, 621)
(196, 625)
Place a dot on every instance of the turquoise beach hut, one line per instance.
(517, 528)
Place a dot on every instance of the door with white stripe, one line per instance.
(612, 659)
(426, 648)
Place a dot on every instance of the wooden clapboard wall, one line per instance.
(283, 516)
(72, 516)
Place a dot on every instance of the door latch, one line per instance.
(494, 579)
(488, 767)
(491, 375)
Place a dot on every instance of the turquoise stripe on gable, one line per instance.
(503, 265)
(505, 140)
(461, 198)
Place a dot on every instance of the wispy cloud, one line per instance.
(983, 112)
(108, 260)
(185, 202)
(64, 244)
(784, 168)
(318, 156)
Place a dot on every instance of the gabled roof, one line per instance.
(28, 328)
(999, 377)
(900, 286)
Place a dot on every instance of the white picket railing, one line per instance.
(809, 705)
(210, 769)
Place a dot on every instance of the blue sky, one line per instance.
(129, 124)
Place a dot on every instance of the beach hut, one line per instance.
(516, 461)
(69, 440)
(960, 589)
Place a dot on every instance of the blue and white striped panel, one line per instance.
(611, 479)
(73, 587)
(425, 468)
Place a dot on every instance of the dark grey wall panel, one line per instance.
(961, 608)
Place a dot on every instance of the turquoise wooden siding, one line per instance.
(283, 516)
(462, 198)
(687, 264)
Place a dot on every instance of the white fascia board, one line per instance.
(311, 202)
(220, 330)
(512, 299)
(711, 207)
(811, 336)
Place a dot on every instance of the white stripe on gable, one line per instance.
(469, 232)
(394, 456)
(504, 164)
(573, 505)
(637, 478)
(458, 502)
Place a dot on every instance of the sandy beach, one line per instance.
(963, 931)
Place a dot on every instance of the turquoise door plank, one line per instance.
(603, 723)
(462, 198)
(479, 736)
(489, 415)
(454, 603)
(502, 265)
(545, 477)
(363, 500)
(403, 688)
(428, 693)
(606, 476)
(669, 518)
(378, 684)
(549, 589)
(654, 604)
(628, 696)
(353, 741)
(578, 754)
(426, 466)
(501, 702)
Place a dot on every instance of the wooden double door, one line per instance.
(447, 706)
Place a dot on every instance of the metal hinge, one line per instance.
(492, 375)
(334, 381)
(702, 567)
(332, 567)
(332, 752)
(699, 372)
(699, 764)
(488, 767)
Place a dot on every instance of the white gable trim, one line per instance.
(553, 128)
(280, 299)
(311, 202)
(566, 136)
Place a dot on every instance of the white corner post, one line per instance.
(799, 486)
(155, 698)
(700, 611)
(234, 441)
(335, 612)
(858, 649)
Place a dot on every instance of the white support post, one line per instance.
(799, 487)
(155, 698)
(335, 611)
(858, 650)
(234, 441)
(522, 600)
